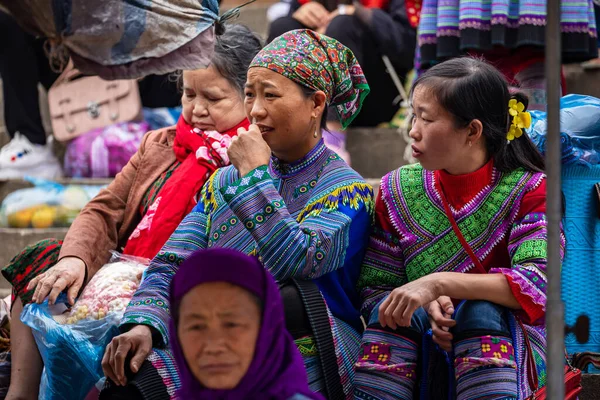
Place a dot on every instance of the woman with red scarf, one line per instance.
(140, 209)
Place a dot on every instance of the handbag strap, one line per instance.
(321, 327)
(531, 367)
(69, 73)
(532, 377)
(459, 234)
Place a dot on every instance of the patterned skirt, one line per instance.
(406, 363)
(449, 28)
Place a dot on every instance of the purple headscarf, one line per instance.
(277, 370)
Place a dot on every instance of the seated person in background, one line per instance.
(594, 63)
(143, 205)
(509, 34)
(371, 29)
(228, 331)
(286, 198)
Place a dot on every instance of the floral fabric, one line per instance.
(320, 63)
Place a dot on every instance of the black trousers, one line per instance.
(24, 64)
(349, 30)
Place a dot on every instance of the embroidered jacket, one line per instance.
(307, 220)
(504, 222)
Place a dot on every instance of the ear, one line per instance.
(475, 130)
(319, 102)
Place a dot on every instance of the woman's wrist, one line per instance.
(74, 259)
(438, 281)
(245, 170)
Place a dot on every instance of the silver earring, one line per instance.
(316, 134)
(470, 143)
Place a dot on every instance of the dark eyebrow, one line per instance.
(266, 84)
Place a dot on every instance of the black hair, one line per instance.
(470, 88)
(235, 48)
(308, 92)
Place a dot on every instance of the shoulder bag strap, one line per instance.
(531, 367)
(459, 234)
(321, 327)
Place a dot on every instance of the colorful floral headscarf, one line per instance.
(320, 63)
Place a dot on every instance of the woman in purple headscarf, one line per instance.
(228, 331)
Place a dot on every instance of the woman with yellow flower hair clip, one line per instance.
(454, 282)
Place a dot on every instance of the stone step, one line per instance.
(375, 151)
(13, 241)
(580, 81)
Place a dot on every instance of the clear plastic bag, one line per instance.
(47, 204)
(72, 340)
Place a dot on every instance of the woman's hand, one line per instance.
(440, 312)
(397, 309)
(69, 273)
(312, 15)
(137, 342)
(248, 150)
(346, 9)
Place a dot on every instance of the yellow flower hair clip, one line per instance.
(521, 119)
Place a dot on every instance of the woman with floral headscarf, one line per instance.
(287, 199)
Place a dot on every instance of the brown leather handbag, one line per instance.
(79, 104)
